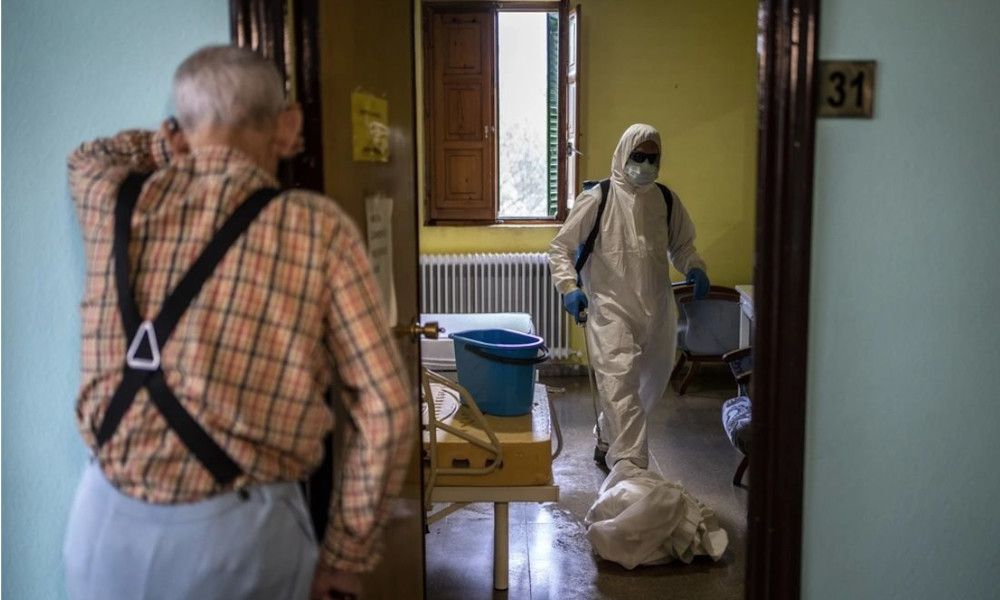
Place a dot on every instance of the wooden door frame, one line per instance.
(263, 26)
(787, 44)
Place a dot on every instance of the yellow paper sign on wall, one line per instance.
(370, 127)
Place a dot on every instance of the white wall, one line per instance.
(902, 482)
(71, 71)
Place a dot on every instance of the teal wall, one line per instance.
(71, 71)
(902, 487)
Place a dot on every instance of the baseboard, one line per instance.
(562, 369)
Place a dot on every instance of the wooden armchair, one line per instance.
(707, 328)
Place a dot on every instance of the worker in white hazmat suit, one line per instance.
(630, 312)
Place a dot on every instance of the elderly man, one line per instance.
(218, 310)
(629, 226)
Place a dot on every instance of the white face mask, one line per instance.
(639, 174)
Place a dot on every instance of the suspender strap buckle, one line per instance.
(145, 331)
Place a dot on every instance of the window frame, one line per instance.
(430, 8)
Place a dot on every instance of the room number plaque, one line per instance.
(846, 88)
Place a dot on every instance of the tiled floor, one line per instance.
(550, 556)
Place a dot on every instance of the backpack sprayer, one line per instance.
(601, 450)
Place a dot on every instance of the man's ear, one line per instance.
(176, 140)
(288, 133)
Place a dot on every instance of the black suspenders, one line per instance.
(148, 337)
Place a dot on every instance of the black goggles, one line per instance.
(640, 157)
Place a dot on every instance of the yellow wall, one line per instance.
(687, 68)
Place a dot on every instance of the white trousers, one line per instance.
(117, 547)
(632, 363)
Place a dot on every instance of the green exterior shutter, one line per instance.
(553, 113)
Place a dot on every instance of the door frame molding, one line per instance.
(266, 26)
(787, 61)
(787, 47)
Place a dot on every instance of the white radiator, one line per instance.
(491, 283)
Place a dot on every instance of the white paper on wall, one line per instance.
(378, 214)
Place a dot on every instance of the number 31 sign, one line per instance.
(846, 88)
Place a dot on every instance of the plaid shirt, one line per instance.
(291, 309)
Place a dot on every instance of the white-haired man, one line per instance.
(217, 312)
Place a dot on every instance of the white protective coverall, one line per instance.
(632, 321)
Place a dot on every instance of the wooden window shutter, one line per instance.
(461, 127)
(552, 115)
(572, 92)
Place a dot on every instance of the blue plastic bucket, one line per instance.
(497, 366)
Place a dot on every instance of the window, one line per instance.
(527, 112)
(498, 141)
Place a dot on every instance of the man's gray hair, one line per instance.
(227, 86)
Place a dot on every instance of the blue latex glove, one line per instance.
(697, 277)
(575, 302)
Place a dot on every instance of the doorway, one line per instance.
(786, 46)
(707, 119)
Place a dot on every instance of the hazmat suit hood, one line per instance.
(633, 137)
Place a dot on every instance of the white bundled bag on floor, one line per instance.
(640, 518)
